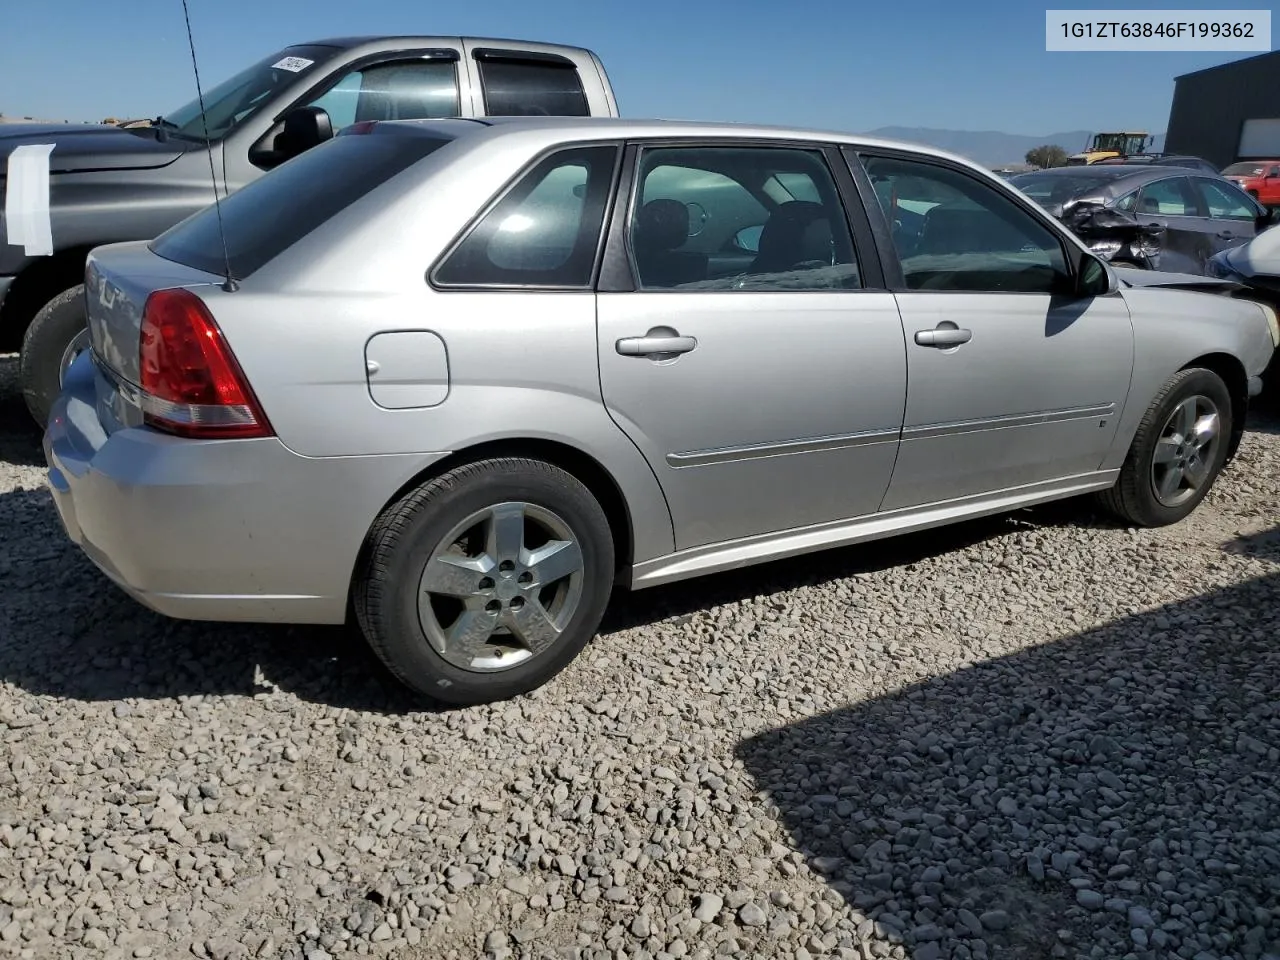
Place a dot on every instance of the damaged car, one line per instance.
(1156, 217)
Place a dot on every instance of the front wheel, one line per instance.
(485, 582)
(55, 337)
(1177, 453)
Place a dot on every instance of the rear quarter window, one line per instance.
(269, 215)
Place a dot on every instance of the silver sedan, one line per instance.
(460, 379)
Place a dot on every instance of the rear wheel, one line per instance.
(486, 582)
(1177, 452)
(54, 338)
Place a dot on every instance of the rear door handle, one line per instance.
(660, 344)
(1227, 235)
(943, 337)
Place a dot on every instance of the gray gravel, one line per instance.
(1024, 737)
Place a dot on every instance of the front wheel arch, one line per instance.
(1232, 372)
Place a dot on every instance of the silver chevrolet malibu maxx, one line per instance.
(460, 378)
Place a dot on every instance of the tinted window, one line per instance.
(728, 218)
(544, 232)
(953, 232)
(405, 90)
(275, 211)
(1224, 201)
(515, 88)
(1167, 198)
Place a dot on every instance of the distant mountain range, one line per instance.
(991, 148)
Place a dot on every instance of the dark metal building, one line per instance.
(1228, 112)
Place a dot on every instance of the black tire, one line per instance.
(402, 541)
(47, 337)
(1133, 498)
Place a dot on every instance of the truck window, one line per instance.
(516, 87)
(401, 90)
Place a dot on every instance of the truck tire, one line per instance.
(45, 348)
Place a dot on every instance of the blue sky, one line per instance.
(841, 64)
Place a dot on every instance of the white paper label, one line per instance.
(26, 201)
(292, 64)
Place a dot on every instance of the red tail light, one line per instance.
(192, 385)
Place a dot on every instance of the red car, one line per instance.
(1258, 177)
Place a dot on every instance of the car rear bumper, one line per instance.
(239, 530)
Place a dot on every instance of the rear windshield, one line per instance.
(1244, 170)
(277, 210)
(1056, 187)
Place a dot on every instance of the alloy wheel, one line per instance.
(501, 587)
(1185, 451)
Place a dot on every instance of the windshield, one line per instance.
(235, 100)
(1243, 170)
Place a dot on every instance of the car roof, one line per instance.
(359, 40)
(556, 128)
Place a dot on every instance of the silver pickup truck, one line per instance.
(108, 183)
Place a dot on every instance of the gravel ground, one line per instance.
(1023, 737)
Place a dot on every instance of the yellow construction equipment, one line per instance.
(1105, 145)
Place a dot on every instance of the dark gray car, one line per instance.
(1202, 214)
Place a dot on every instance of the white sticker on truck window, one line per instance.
(26, 201)
(292, 64)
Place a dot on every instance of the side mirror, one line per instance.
(304, 128)
(1095, 278)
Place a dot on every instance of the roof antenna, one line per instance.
(229, 285)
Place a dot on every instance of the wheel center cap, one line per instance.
(506, 589)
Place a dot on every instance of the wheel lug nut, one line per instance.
(525, 577)
(493, 606)
(486, 583)
(517, 603)
(506, 566)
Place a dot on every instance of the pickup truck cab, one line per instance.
(109, 184)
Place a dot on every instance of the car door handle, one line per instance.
(943, 337)
(1226, 235)
(651, 344)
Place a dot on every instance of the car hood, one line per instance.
(79, 147)
(1130, 277)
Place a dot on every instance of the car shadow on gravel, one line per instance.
(1121, 786)
(67, 631)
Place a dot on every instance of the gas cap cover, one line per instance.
(407, 369)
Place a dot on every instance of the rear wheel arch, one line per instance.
(584, 467)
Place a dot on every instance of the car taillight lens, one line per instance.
(192, 385)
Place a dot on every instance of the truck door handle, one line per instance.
(661, 341)
(943, 337)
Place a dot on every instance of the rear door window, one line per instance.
(1167, 198)
(267, 216)
(544, 232)
(516, 86)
